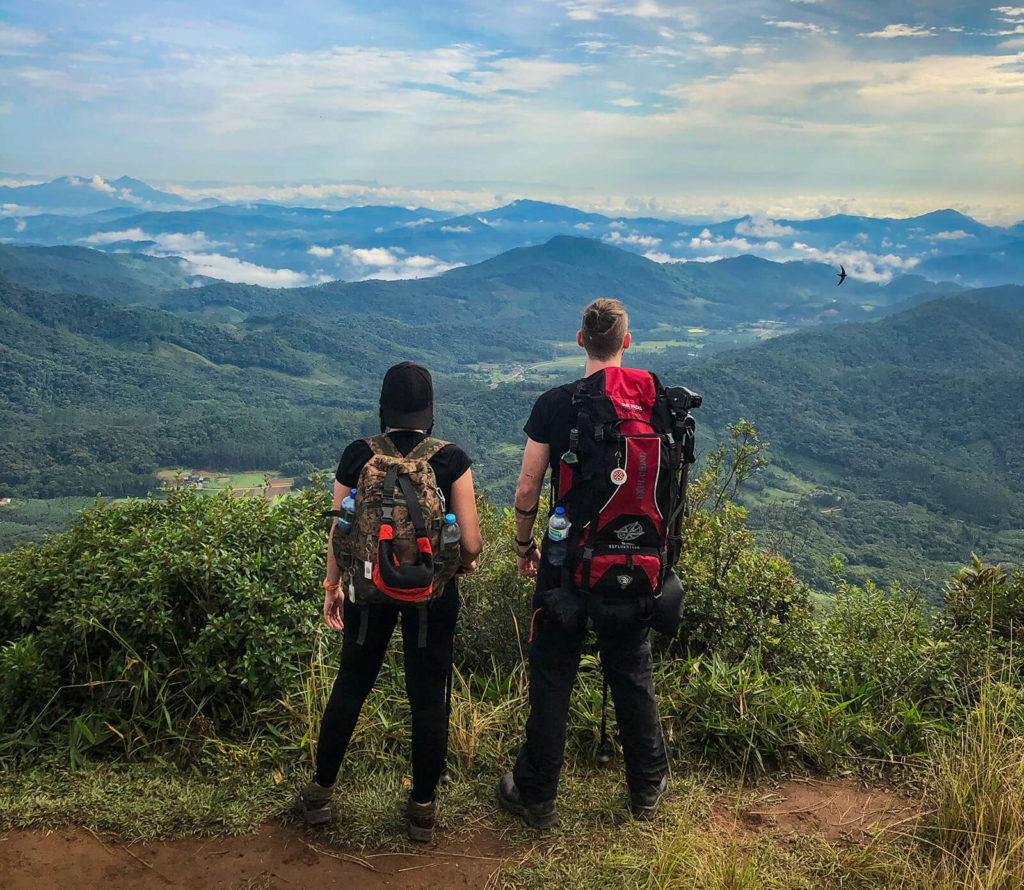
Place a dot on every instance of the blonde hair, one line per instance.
(604, 327)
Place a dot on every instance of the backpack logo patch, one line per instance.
(629, 532)
(624, 580)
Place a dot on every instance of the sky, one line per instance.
(785, 107)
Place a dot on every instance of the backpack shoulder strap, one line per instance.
(426, 449)
(382, 444)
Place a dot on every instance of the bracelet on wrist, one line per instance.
(327, 586)
(530, 545)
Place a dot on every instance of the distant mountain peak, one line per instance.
(947, 216)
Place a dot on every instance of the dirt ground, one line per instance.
(275, 858)
(835, 810)
(839, 811)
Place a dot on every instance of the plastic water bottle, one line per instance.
(348, 510)
(451, 533)
(558, 533)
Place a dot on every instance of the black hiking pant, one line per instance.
(554, 661)
(427, 669)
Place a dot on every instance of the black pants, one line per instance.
(554, 660)
(426, 673)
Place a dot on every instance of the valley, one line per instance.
(873, 456)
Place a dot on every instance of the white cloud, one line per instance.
(392, 264)
(52, 81)
(519, 75)
(13, 39)
(657, 257)
(177, 242)
(951, 236)
(456, 229)
(321, 252)
(859, 263)
(795, 26)
(167, 242)
(583, 227)
(835, 95)
(625, 103)
(113, 237)
(20, 225)
(890, 31)
(339, 195)
(589, 10)
(227, 268)
(1010, 13)
(636, 238)
(101, 185)
(706, 242)
(719, 51)
(762, 227)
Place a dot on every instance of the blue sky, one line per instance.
(790, 107)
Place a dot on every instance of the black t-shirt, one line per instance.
(448, 464)
(551, 421)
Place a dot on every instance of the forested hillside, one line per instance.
(97, 396)
(899, 444)
(896, 443)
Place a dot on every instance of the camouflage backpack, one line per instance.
(394, 552)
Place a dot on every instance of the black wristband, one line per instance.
(530, 545)
(521, 512)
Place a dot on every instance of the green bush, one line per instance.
(148, 617)
(739, 601)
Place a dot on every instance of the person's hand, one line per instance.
(334, 603)
(527, 564)
(465, 570)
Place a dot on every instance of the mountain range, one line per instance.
(896, 442)
(543, 288)
(249, 243)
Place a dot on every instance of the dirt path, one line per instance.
(839, 811)
(835, 810)
(275, 858)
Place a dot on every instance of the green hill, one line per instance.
(899, 444)
(543, 287)
(121, 277)
(97, 396)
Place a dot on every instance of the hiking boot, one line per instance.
(314, 804)
(536, 815)
(421, 818)
(644, 805)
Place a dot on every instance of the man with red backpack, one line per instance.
(614, 446)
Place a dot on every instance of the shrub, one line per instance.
(149, 616)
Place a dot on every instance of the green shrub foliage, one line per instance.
(163, 625)
(149, 618)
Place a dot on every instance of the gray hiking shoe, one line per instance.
(313, 804)
(644, 805)
(421, 818)
(536, 815)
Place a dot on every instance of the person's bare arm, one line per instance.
(463, 505)
(334, 600)
(528, 489)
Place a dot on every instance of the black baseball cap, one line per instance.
(407, 397)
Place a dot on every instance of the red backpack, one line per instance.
(620, 484)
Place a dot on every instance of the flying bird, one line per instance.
(841, 274)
